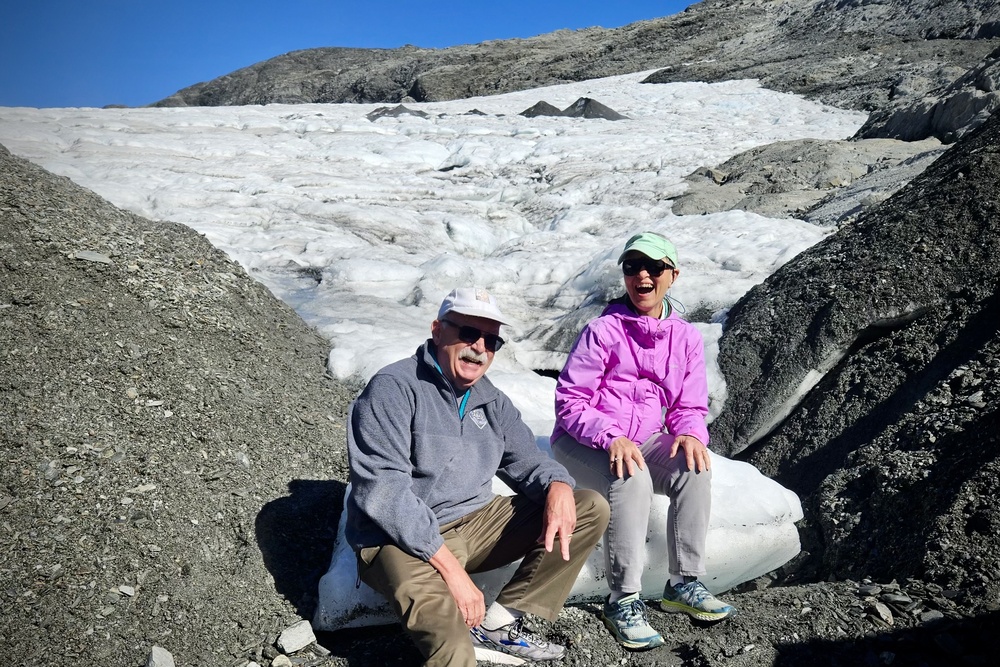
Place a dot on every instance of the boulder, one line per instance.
(863, 375)
(947, 113)
(788, 178)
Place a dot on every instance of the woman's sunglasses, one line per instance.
(470, 335)
(654, 267)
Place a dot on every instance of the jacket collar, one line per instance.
(642, 328)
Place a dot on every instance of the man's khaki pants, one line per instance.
(504, 530)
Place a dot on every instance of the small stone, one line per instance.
(882, 612)
(52, 469)
(159, 657)
(281, 661)
(296, 637)
(126, 590)
(976, 400)
(91, 256)
(931, 615)
(896, 598)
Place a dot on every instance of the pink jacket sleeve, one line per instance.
(575, 391)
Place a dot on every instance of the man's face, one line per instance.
(461, 362)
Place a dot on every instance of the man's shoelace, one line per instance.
(517, 631)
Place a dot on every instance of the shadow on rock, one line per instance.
(373, 645)
(295, 534)
(966, 642)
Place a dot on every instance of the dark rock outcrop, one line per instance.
(395, 112)
(584, 107)
(589, 108)
(948, 114)
(542, 108)
(848, 53)
(865, 375)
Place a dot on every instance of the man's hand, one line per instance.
(560, 517)
(695, 452)
(468, 597)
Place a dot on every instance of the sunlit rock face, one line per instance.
(864, 375)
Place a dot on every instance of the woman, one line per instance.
(630, 422)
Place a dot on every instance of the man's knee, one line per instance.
(432, 620)
(592, 511)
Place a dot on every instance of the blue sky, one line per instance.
(60, 53)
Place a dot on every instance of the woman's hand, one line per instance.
(625, 455)
(695, 452)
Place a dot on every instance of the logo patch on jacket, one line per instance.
(478, 417)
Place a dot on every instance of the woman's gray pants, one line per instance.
(630, 498)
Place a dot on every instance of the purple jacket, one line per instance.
(621, 374)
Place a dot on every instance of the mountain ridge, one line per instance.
(848, 53)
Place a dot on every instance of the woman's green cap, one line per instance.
(651, 245)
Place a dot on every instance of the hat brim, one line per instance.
(648, 250)
(472, 312)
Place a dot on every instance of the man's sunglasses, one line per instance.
(654, 267)
(470, 335)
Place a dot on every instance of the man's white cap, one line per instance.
(474, 301)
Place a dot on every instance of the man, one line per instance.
(425, 439)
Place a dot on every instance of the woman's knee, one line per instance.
(633, 487)
(694, 484)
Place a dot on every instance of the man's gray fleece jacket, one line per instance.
(415, 464)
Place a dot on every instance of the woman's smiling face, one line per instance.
(646, 290)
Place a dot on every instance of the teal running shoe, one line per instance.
(627, 621)
(694, 599)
